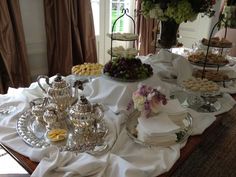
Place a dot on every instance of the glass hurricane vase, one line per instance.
(168, 34)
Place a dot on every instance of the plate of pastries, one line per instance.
(212, 75)
(213, 60)
(123, 36)
(120, 51)
(87, 69)
(200, 85)
(217, 42)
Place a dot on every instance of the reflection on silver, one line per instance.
(7, 110)
(198, 101)
(182, 134)
(59, 91)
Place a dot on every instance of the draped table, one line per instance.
(99, 90)
(186, 151)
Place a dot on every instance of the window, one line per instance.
(95, 8)
(116, 11)
(104, 14)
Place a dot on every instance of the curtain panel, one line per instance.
(14, 66)
(70, 34)
(147, 31)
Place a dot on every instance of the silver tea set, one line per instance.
(63, 108)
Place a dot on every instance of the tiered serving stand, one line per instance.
(112, 36)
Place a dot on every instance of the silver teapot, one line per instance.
(85, 116)
(59, 91)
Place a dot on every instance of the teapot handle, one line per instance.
(47, 81)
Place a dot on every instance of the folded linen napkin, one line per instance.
(174, 110)
(157, 125)
(170, 66)
(166, 140)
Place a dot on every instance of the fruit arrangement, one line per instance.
(127, 69)
(87, 69)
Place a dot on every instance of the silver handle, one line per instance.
(46, 79)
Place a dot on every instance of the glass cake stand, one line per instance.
(206, 102)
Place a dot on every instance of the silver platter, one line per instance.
(182, 134)
(36, 136)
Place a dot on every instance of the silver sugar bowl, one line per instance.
(59, 91)
(85, 117)
(37, 109)
(53, 117)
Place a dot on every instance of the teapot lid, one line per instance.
(59, 82)
(83, 105)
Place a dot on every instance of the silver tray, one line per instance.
(37, 137)
(182, 134)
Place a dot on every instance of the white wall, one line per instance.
(34, 28)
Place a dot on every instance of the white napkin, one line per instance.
(175, 110)
(157, 125)
(170, 66)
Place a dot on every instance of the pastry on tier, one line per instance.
(122, 52)
(129, 69)
(211, 75)
(200, 85)
(124, 36)
(87, 69)
(212, 59)
(217, 42)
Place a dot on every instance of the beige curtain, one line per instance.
(14, 67)
(70, 34)
(147, 31)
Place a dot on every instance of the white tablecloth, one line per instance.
(125, 159)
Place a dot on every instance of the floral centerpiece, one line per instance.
(147, 100)
(229, 13)
(172, 13)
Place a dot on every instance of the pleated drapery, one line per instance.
(147, 31)
(14, 66)
(70, 34)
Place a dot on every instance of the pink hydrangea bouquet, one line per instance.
(147, 100)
